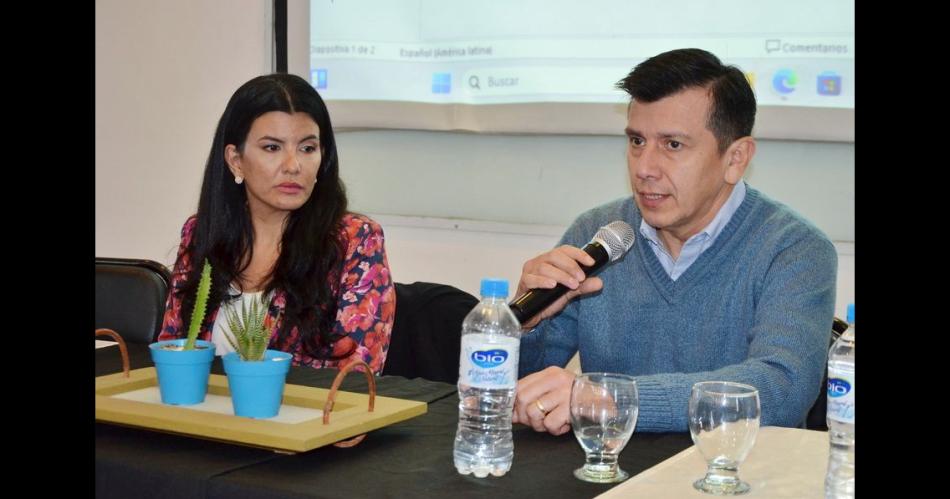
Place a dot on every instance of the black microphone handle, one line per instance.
(535, 300)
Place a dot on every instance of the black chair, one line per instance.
(427, 331)
(130, 297)
(816, 419)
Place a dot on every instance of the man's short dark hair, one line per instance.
(732, 114)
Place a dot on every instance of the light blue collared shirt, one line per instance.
(699, 242)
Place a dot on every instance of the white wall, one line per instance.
(455, 206)
(164, 72)
(550, 179)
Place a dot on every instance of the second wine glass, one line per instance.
(723, 421)
(604, 408)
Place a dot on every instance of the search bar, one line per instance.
(541, 80)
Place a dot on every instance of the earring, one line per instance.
(238, 180)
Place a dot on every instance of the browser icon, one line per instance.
(784, 81)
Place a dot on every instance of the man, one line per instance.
(722, 284)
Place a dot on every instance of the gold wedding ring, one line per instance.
(537, 402)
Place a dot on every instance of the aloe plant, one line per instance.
(249, 337)
(201, 305)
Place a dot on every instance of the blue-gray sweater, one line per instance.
(755, 308)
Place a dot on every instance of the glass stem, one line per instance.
(722, 476)
(601, 463)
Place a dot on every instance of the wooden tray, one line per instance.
(350, 416)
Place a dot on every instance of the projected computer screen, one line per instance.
(552, 65)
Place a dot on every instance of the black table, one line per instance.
(408, 459)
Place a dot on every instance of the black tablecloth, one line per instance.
(408, 459)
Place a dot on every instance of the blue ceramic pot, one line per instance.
(257, 387)
(182, 374)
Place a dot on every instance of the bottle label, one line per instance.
(841, 396)
(489, 361)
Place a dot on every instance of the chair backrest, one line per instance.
(130, 297)
(817, 415)
(427, 331)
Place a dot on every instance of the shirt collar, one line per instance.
(713, 229)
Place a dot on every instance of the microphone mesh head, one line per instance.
(617, 237)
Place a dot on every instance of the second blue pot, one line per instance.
(257, 387)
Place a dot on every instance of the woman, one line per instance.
(272, 222)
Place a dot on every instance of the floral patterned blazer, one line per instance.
(365, 308)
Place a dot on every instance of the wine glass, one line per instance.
(604, 408)
(723, 421)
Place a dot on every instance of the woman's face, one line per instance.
(279, 162)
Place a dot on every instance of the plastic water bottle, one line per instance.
(839, 482)
(488, 373)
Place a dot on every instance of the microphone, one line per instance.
(609, 243)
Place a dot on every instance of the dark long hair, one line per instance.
(312, 248)
(732, 112)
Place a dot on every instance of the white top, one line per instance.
(221, 328)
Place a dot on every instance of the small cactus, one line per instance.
(249, 337)
(201, 305)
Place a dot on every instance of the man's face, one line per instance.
(679, 178)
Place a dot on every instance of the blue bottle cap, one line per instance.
(851, 313)
(495, 288)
